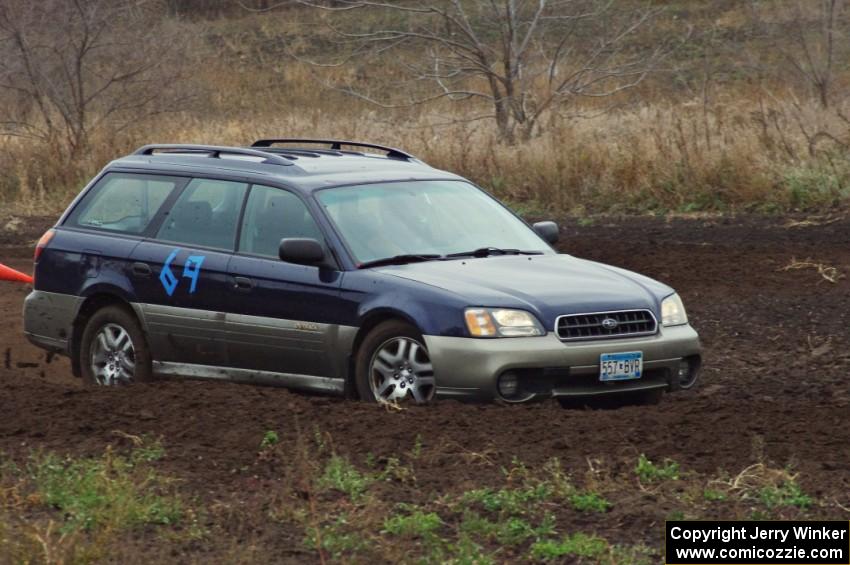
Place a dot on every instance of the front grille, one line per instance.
(598, 325)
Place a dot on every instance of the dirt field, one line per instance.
(774, 391)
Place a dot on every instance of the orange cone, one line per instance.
(11, 275)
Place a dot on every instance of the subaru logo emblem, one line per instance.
(610, 323)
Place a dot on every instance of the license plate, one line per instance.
(620, 366)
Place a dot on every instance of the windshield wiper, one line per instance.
(400, 260)
(487, 251)
(420, 257)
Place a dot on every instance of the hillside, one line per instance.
(729, 119)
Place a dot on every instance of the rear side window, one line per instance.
(123, 202)
(274, 214)
(206, 214)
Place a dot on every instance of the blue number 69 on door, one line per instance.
(191, 271)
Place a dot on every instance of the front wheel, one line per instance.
(113, 350)
(393, 366)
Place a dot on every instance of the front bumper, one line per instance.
(546, 366)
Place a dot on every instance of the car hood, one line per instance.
(547, 285)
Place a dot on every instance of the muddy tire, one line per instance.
(113, 349)
(392, 366)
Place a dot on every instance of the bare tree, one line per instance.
(816, 59)
(213, 8)
(71, 67)
(524, 58)
(816, 39)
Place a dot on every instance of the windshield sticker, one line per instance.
(191, 271)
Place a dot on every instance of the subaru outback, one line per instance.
(340, 267)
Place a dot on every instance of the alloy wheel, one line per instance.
(113, 356)
(400, 370)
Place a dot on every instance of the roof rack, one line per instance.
(336, 145)
(296, 152)
(214, 151)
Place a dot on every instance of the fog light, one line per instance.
(687, 373)
(508, 384)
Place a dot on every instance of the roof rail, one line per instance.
(336, 145)
(214, 151)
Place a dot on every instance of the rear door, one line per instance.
(91, 249)
(284, 316)
(181, 273)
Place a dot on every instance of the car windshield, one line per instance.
(424, 218)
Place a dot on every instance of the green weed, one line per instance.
(574, 545)
(649, 472)
(111, 491)
(342, 476)
(713, 495)
(395, 471)
(416, 524)
(270, 439)
(475, 525)
(337, 538)
(515, 531)
(788, 493)
(466, 552)
(632, 555)
(589, 501)
(416, 452)
(508, 501)
(676, 516)
(816, 183)
(148, 452)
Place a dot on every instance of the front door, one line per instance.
(283, 316)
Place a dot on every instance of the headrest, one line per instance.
(193, 213)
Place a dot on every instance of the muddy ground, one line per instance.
(774, 389)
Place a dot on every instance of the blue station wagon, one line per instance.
(341, 267)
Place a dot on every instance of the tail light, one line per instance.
(42, 243)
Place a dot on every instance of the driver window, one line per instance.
(273, 214)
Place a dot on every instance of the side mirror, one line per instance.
(548, 231)
(301, 251)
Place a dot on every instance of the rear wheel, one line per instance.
(393, 366)
(113, 350)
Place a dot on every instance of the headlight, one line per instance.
(498, 322)
(673, 311)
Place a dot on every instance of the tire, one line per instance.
(105, 357)
(694, 376)
(392, 366)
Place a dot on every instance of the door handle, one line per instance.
(141, 269)
(243, 284)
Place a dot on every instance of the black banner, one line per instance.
(759, 543)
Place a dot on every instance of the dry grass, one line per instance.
(747, 145)
(827, 272)
(651, 158)
(811, 222)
